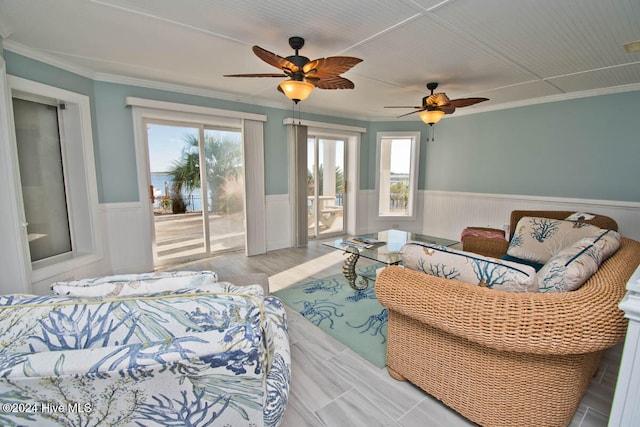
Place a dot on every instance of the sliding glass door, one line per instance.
(197, 190)
(325, 186)
(225, 189)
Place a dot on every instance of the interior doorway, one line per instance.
(325, 186)
(196, 176)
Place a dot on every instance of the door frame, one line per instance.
(352, 135)
(317, 137)
(144, 109)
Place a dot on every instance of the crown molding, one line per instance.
(52, 60)
(183, 89)
(552, 98)
(323, 125)
(188, 108)
(46, 58)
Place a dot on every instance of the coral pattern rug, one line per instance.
(355, 318)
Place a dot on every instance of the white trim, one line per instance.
(80, 177)
(120, 205)
(193, 109)
(547, 99)
(45, 58)
(14, 263)
(624, 409)
(323, 125)
(414, 173)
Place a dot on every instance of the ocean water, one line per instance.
(162, 181)
(158, 180)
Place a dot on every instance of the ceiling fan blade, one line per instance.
(331, 66)
(465, 102)
(407, 106)
(331, 82)
(255, 75)
(275, 60)
(448, 109)
(437, 100)
(412, 112)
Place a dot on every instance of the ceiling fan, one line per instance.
(304, 74)
(436, 105)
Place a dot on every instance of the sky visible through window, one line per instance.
(165, 145)
(401, 156)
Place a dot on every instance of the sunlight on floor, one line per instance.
(302, 271)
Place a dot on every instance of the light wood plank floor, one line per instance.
(333, 386)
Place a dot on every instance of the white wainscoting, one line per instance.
(441, 213)
(128, 238)
(446, 213)
(278, 219)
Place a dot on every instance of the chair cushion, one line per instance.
(135, 284)
(536, 265)
(469, 267)
(571, 267)
(539, 239)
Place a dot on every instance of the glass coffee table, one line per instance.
(383, 247)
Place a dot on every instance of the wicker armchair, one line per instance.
(500, 358)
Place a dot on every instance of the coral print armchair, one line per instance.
(205, 354)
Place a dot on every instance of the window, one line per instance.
(397, 176)
(42, 178)
(56, 168)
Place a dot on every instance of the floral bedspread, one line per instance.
(212, 356)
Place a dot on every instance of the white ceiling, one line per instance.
(515, 52)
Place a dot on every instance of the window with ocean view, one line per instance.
(197, 189)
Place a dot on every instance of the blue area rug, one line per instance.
(355, 318)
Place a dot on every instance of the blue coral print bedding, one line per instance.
(184, 358)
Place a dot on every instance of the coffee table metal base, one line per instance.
(349, 270)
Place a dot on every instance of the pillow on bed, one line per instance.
(539, 239)
(571, 267)
(469, 267)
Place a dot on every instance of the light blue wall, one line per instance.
(117, 152)
(584, 148)
(113, 127)
(20, 66)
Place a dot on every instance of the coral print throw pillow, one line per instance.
(539, 239)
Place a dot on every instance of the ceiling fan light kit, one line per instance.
(296, 90)
(305, 75)
(436, 105)
(431, 117)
